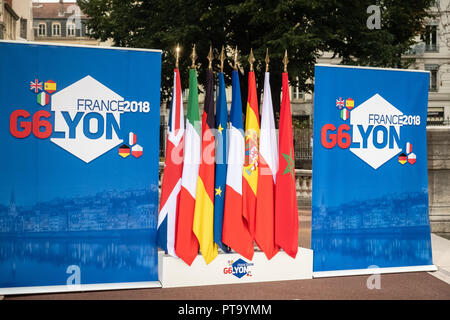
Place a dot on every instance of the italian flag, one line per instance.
(186, 243)
(43, 98)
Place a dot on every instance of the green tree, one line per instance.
(306, 28)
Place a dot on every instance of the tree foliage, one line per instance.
(306, 28)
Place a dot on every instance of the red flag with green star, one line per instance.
(286, 212)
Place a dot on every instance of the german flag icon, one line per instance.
(402, 158)
(124, 151)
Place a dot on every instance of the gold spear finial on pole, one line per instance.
(222, 59)
(210, 57)
(236, 59)
(193, 57)
(267, 60)
(251, 59)
(285, 60)
(177, 56)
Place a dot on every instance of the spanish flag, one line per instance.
(204, 203)
(250, 170)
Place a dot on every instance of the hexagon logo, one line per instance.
(376, 131)
(240, 268)
(87, 119)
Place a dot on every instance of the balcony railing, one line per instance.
(303, 184)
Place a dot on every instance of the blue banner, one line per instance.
(79, 128)
(370, 185)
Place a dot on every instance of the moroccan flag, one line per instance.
(235, 232)
(173, 168)
(221, 162)
(250, 171)
(268, 166)
(286, 212)
(204, 204)
(186, 243)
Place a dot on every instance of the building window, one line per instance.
(430, 38)
(433, 68)
(23, 28)
(42, 30)
(56, 29)
(71, 29)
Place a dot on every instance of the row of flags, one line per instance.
(222, 188)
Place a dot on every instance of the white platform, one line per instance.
(80, 287)
(173, 272)
(368, 271)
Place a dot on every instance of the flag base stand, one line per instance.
(229, 268)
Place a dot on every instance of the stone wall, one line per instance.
(438, 140)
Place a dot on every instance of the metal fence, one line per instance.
(439, 122)
(302, 143)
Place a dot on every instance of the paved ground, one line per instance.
(415, 285)
(419, 285)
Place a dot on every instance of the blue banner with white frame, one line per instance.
(370, 185)
(79, 127)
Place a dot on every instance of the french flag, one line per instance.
(235, 233)
(171, 184)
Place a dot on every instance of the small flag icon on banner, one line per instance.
(36, 85)
(344, 114)
(402, 158)
(408, 148)
(50, 86)
(137, 151)
(340, 103)
(124, 151)
(132, 139)
(350, 103)
(43, 98)
(412, 158)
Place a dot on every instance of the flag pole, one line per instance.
(210, 57)
(285, 60)
(236, 62)
(177, 58)
(222, 59)
(251, 59)
(267, 60)
(193, 57)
